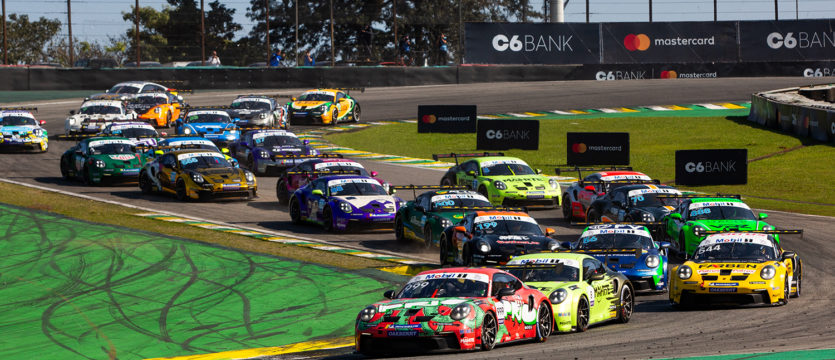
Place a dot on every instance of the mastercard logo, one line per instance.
(578, 148)
(428, 119)
(634, 42)
(669, 74)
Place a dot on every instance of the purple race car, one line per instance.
(320, 165)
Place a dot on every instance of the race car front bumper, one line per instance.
(382, 220)
(380, 338)
(726, 292)
(27, 142)
(217, 191)
(644, 283)
(533, 198)
(115, 175)
(307, 118)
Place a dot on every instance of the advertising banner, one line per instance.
(447, 118)
(540, 43)
(712, 167)
(792, 40)
(507, 134)
(597, 148)
(675, 42)
(819, 124)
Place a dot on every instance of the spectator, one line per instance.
(275, 60)
(366, 38)
(405, 49)
(443, 50)
(214, 60)
(308, 60)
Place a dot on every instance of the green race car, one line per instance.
(425, 218)
(504, 180)
(582, 291)
(686, 225)
(96, 159)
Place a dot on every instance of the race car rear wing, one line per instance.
(624, 181)
(772, 232)
(294, 156)
(456, 155)
(693, 196)
(481, 208)
(579, 170)
(19, 108)
(639, 223)
(349, 89)
(325, 173)
(415, 188)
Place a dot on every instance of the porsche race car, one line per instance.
(95, 115)
(313, 167)
(425, 218)
(196, 174)
(20, 130)
(577, 198)
(159, 109)
(209, 122)
(141, 133)
(258, 110)
(324, 106)
(96, 159)
(264, 150)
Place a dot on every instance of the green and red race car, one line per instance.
(425, 218)
(504, 180)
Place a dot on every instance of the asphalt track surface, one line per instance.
(655, 330)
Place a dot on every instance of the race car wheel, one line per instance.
(145, 183)
(544, 322)
(182, 195)
(399, 230)
(446, 181)
(483, 191)
(250, 164)
(281, 193)
(797, 284)
(168, 120)
(327, 215)
(65, 173)
(467, 258)
(593, 216)
(295, 211)
(427, 237)
(627, 304)
(489, 330)
(582, 315)
(85, 177)
(334, 117)
(787, 290)
(566, 208)
(355, 115)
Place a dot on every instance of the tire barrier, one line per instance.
(790, 111)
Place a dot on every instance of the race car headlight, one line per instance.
(553, 245)
(346, 207)
(699, 230)
(499, 185)
(768, 227)
(684, 272)
(445, 223)
(156, 110)
(262, 116)
(768, 272)
(647, 217)
(37, 132)
(323, 108)
(483, 246)
(368, 313)
(314, 152)
(390, 207)
(249, 177)
(187, 131)
(197, 178)
(460, 312)
(652, 261)
(264, 154)
(558, 296)
(99, 163)
(387, 187)
(554, 184)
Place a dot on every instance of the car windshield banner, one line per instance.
(447, 118)
(712, 167)
(787, 40)
(679, 42)
(542, 43)
(507, 134)
(597, 149)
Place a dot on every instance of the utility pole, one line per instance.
(5, 49)
(394, 20)
(267, 6)
(333, 51)
(714, 11)
(650, 10)
(202, 34)
(776, 17)
(136, 20)
(460, 50)
(587, 11)
(69, 28)
(296, 5)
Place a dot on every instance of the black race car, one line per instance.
(633, 203)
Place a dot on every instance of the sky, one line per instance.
(97, 20)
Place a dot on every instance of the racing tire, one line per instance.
(483, 191)
(334, 117)
(467, 258)
(797, 284)
(592, 216)
(85, 177)
(295, 211)
(627, 304)
(182, 195)
(65, 173)
(328, 222)
(566, 209)
(252, 195)
(787, 291)
(489, 331)
(250, 164)
(427, 237)
(281, 193)
(399, 230)
(168, 120)
(446, 181)
(145, 183)
(355, 114)
(544, 322)
(444, 251)
(583, 313)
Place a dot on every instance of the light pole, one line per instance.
(69, 28)
(267, 6)
(5, 49)
(202, 34)
(333, 51)
(136, 21)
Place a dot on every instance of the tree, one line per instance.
(151, 42)
(27, 39)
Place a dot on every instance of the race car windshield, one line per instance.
(202, 146)
(17, 121)
(346, 169)
(735, 251)
(652, 200)
(615, 241)
(278, 140)
(442, 288)
(507, 227)
(461, 203)
(559, 272)
(136, 132)
(315, 97)
(507, 169)
(722, 213)
(112, 149)
(150, 100)
(100, 110)
(357, 188)
(203, 162)
(122, 89)
(208, 118)
(251, 105)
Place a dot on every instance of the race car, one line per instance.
(315, 166)
(635, 203)
(578, 197)
(630, 250)
(324, 106)
(186, 142)
(582, 291)
(454, 308)
(504, 180)
(141, 133)
(258, 110)
(425, 218)
(95, 115)
(96, 159)
(686, 226)
(20, 130)
(159, 109)
(738, 267)
(490, 236)
(196, 174)
(263, 150)
(341, 201)
(208, 122)
(130, 89)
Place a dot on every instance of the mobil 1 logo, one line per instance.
(507, 134)
(712, 167)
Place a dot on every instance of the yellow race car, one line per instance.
(196, 174)
(323, 106)
(159, 109)
(740, 268)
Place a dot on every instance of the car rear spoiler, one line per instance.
(559, 170)
(456, 155)
(772, 232)
(693, 196)
(324, 173)
(624, 181)
(19, 108)
(107, 96)
(481, 208)
(307, 157)
(415, 188)
(348, 89)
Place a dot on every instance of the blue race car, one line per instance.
(210, 123)
(629, 250)
(340, 201)
(20, 130)
(262, 150)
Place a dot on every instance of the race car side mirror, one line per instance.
(664, 244)
(163, 133)
(566, 244)
(72, 112)
(597, 276)
(389, 294)
(471, 173)
(158, 152)
(505, 292)
(374, 174)
(306, 142)
(460, 229)
(224, 150)
(42, 122)
(788, 255)
(763, 216)
(675, 216)
(318, 192)
(589, 188)
(550, 231)
(539, 171)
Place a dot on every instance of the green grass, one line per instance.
(801, 176)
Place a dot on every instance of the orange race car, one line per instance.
(160, 109)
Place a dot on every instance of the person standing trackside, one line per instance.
(366, 37)
(214, 60)
(405, 48)
(308, 60)
(275, 59)
(443, 50)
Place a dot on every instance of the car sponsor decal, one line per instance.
(403, 326)
(633, 193)
(319, 92)
(625, 177)
(590, 294)
(206, 112)
(402, 333)
(416, 304)
(189, 142)
(452, 275)
(25, 114)
(123, 157)
(543, 261)
(741, 237)
(438, 198)
(517, 311)
(337, 182)
(486, 218)
(95, 143)
(252, 99)
(489, 163)
(342, 163)
(724, 284)
(641, 232)
(725, 289)
(193, 155)
(268, 133)
(113, 103)
(699, 205)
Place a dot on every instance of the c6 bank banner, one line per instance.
(787, 40)
(676, 42)
(518, 43)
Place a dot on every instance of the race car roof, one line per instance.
(16, 113)
(740, 237)
(484, 271)
(117, 103)
(130, 125)
(154, 94)
(251, 98)
(615, 229)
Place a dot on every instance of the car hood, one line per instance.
(430, 306)
(522, 180)
(547, 287)
(246, 114)
(725, 268)
(308, 104)
(512, 241)
(127, 160)
(658, 212)
(620, 258)
(730, 224)
(202, 126)
(17, 129)
(85, 117)
(367, 201)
